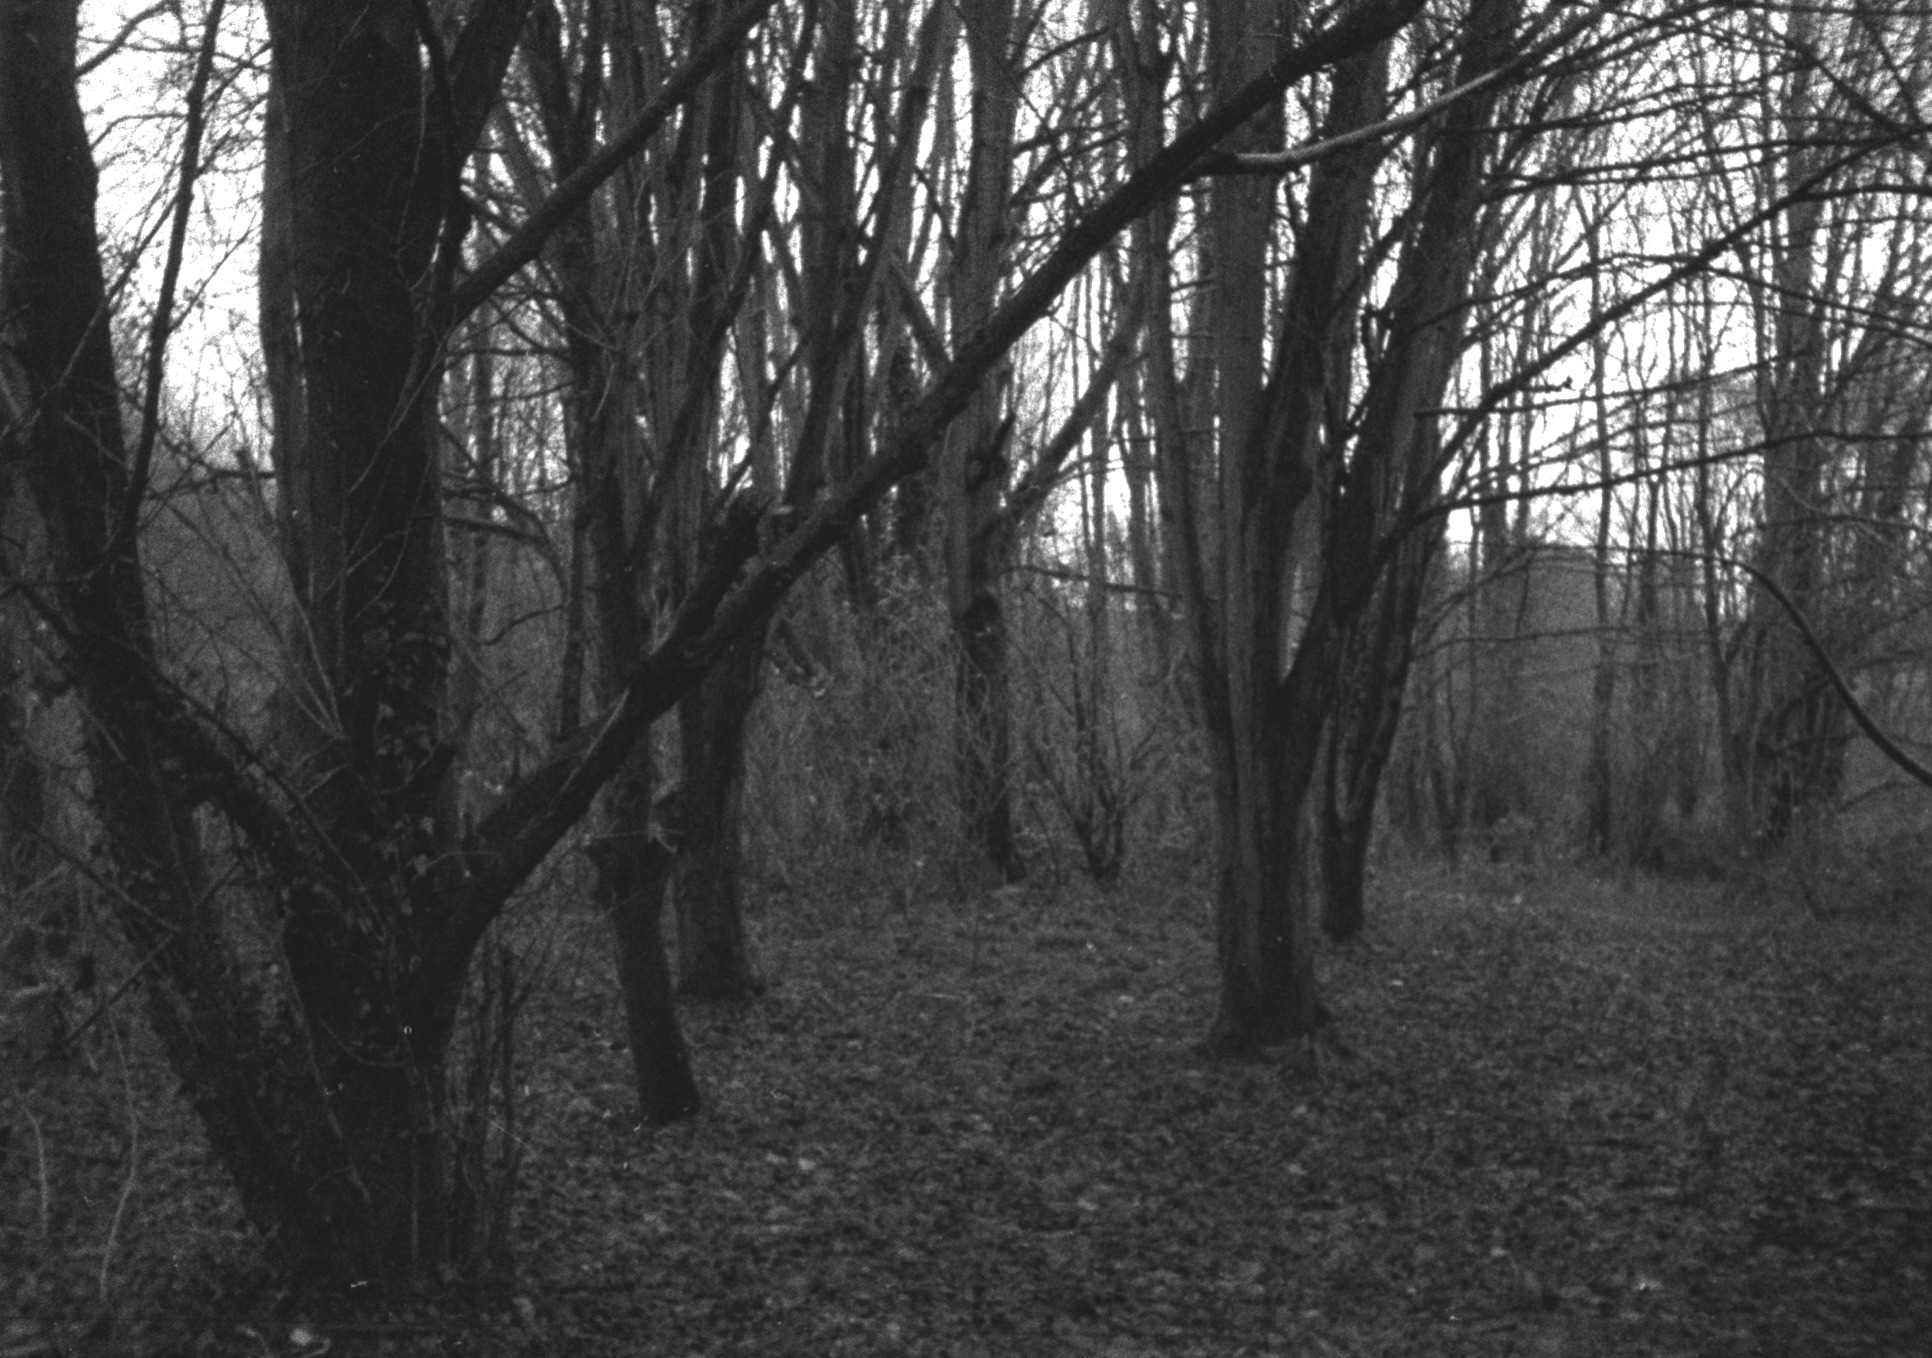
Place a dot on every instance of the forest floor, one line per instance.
(1560, 1118)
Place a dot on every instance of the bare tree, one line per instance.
(321, 1079)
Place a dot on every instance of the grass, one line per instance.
(1561, 1119)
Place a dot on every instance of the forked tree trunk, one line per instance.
(1302, 559)
(321, 1089)
(1265, 716)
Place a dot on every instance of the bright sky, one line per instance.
(135, 102)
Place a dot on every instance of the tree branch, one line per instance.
(1859, 714)
(163, 324)
(527, 241)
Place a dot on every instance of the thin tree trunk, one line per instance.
(603, 406)
(1143, 545)
(1599, 787)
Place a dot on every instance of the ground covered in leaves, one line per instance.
(1559, 1118)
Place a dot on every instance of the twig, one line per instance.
(40, 1155)
(66, 1039)
(163, 323)
(133, 1162)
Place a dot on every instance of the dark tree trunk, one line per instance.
(1263, 751)
(1368, 712)
(1302, 558)
(714, 960)
(341, 1154)
(978, 461)
(1265, 717)
(1264, 898)
(312, 1168)
(25, 821)
(633, 866)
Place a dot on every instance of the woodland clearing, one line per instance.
(1557, 1117)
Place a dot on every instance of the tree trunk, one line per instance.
(714, 960)
(1599, 773)
(1789, 747)
(26, 824)
(633, 865)
(978, 458)
(1144, 552)
(1368, 713)
(1297, 573)
(1265, 712)
(342, 1154)
(601, 261)
(1494, 784)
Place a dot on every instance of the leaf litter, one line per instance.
(1557, 1121)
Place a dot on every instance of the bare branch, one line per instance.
(528, 240)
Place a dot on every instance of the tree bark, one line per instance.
(1265, 712)
(26, 824)
(978, 458)
(1792, 737)
(714, 958)
(1368, 713)
(1300, 566)
(633, 866)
